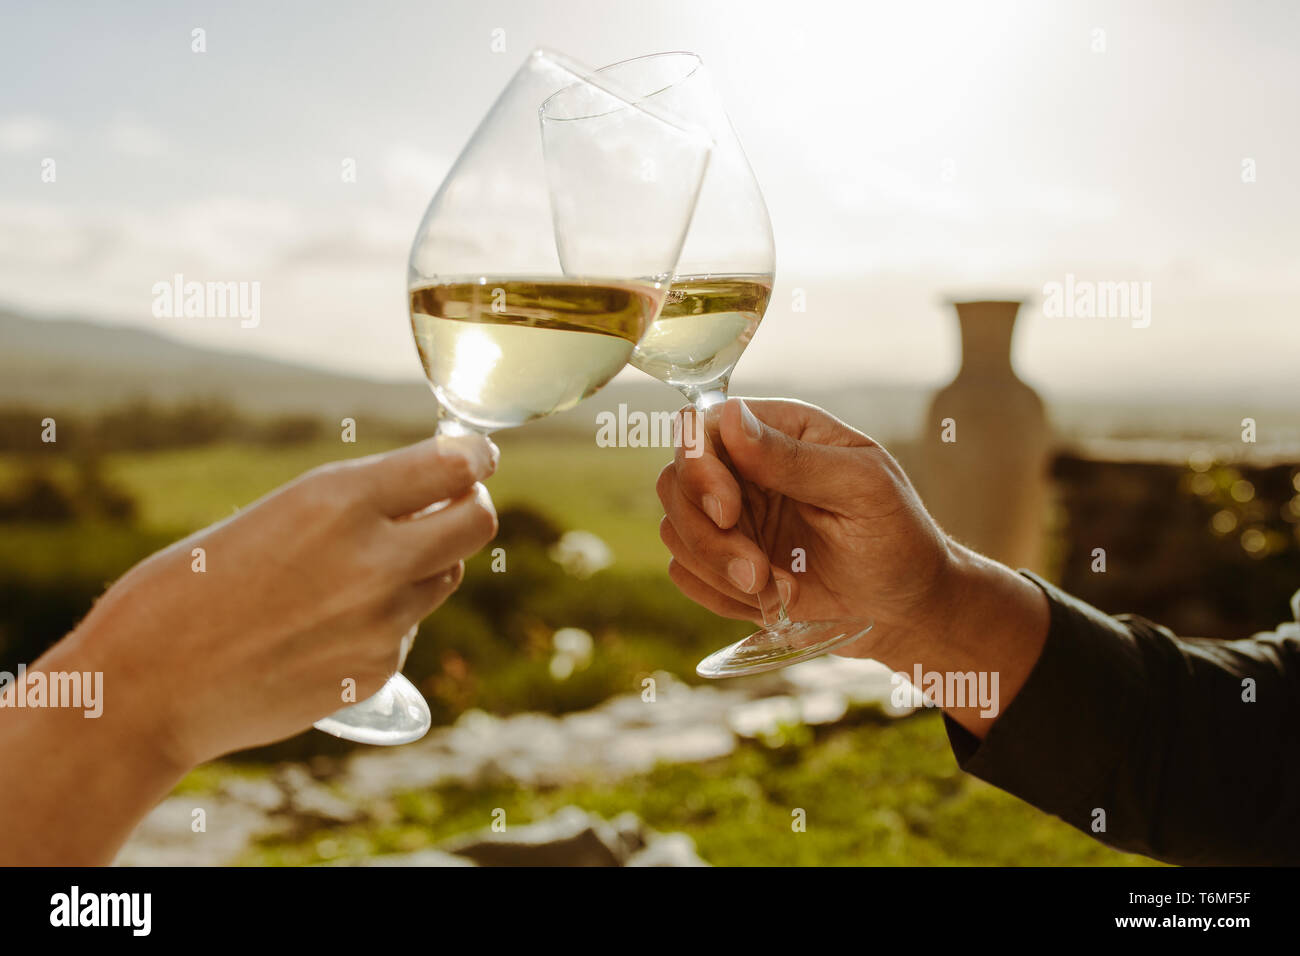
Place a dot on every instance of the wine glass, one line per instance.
(719, 293)
(545, 254)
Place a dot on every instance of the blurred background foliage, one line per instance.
(118, 485)
(76, 513)
(1209, 548)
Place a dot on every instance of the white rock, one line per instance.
(670, 849)
(823, 707)
(589, 725)
(764, 716)
(862, 681)
(418, 858)
(581, 553)
(639, 750)
(166, 838)
(260, 792)
(309, 798)
(575, 642)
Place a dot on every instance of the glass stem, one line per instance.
(449, 424)
(770, 604)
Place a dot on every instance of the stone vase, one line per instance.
(987, 483)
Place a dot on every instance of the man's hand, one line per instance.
(871, 549)
(829, 500)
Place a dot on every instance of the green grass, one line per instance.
(607, 491)
(96, 551)
(189, 488)
(207, 778)
(872, 793)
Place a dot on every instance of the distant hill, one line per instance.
(76, 364)
(65, 363)
(73, 363)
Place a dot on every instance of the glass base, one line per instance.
(780, 646)
(397, 714)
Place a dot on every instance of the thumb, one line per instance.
(813, 473)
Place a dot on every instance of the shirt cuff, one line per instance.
(1059, 741)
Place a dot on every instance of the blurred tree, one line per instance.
(38, 498)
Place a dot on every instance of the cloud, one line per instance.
(411, 173)
(332, 283)
(21, 133)
(129, 137)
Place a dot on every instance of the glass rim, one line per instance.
(635, 100)
(696, 61)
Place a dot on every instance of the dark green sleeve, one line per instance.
(1121, 715)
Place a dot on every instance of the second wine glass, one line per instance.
(719, 294)
(538, 265)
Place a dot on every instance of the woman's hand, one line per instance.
(245, 632)
(239, 635)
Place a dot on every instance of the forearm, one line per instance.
(1180, 749)
(76, 786)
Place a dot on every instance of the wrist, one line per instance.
(978, 615)
(991, 606)
(136, 716)
(981, 619)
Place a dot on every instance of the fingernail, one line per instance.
(742, 573)
(783, 590)
(494, 451)
(713, 508)
(748, 422)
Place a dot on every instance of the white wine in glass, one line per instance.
(702, 329)
(719, 294)
(501, 352)
(538, 266)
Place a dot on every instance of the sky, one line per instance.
(909, 154)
